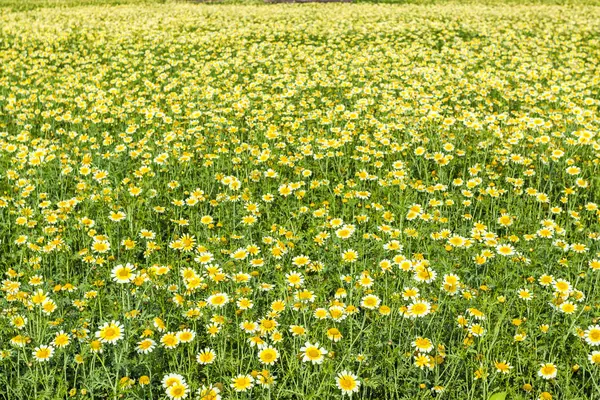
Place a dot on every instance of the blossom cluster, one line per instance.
(373, 201)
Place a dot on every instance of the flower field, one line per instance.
(300, 202)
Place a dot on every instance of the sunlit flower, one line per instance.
(206, 356)
(548, 371)
(43, 353)
(347, 382)
(268, 355)
(313, 353)
(110, 332)
(242, 383)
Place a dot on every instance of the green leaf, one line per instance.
(498, 396)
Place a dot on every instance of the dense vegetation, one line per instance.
(299, 202)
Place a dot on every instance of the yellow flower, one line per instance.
(169, 340)
(43, 353)
(145, 346)
(218, 300)
(592, 335)
(177, 391)
(502, 367)
(186, 335)
(172, 379)
(547, 371)
(61, 339)
(350, 256)
(347, 382)
(313, 353)
(419, 308)
(206, 356)
(242, 383)
(123, 273)
(423, 345)
(268, 355)
(110, 332)
(334, 334)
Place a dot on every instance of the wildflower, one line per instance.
(43, 353)
(18, 321)
(594, 357)
(423, 345)
(548, 371)
(145, 346)
(347, 382)
(370, 302)
(297, 330)
(169, 340)
(503, 367)
(172, 379)
(186, 335)
(349, 256)
(334, 334)
(266, 379)
(218, 300)
(592, 335)
(422, 361)
(123, 273)
(209, 393)
(268, 355)
(110, 332)
(177, 391)
(242, 383)
(61, 339)
(206, 356)
(419, 308)
(313, 353)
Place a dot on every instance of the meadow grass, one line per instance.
(299, 202)
(25, 5)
